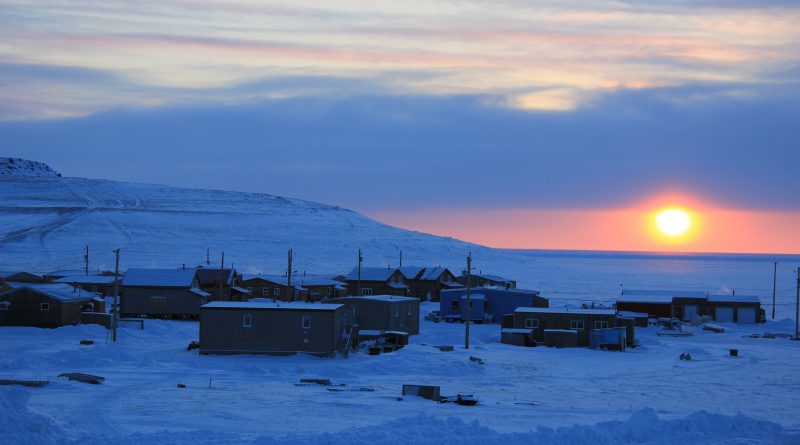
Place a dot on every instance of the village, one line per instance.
(368, 309)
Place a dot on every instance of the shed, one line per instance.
(162, 292)
(517, 337)
(493, 303)
(229, 327)
(614, 339)
(640, 319)
(383, 312)
(43, 305)
(735, 308)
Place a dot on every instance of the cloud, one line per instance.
(732, 145)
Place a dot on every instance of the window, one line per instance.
(366, 291)
(531, 323)
(306, 322)
(157, 301)
(601, 325)
(276, 291)
(576, 324)
(247, 320)
(454, 304)
(44, 307)
(4, 305)
(94, 288)
(265, 291)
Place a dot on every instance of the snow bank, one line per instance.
(24, 167)
(19, 425)
(643, 427)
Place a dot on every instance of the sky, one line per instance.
(521, 124)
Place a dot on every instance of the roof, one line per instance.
(199, 292)
(68, 272)
(317, 280)
(565, 310)
(387, 298)
(83, 279)
(372, 274)
(7, 274)
(733, 299)
(211, 277)
(412, 272)
(493, 278)
(642, 298)
(241, 290)
(296, 306)
(433, 273)
(159, 277)
(397, 286)
(474, 297)
(61, 292)
(665, 293)
(630, 314)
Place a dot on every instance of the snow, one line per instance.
(371, 273)
(666, 293)
(387, 298)
(22, 167)
(86, 279)
(642, 298)
(733, 299)
(61, 292)
(645, 395)
(296, 305)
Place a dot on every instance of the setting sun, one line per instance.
(673, 222)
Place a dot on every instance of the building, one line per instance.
(582, 321)
(21, 277)
(487, 303)
(44, 305)
(690, 305)
(273, 328)
(221, 284)
(735, 308)
(377, 281)
(485, 280)
(321, 287)
(383, 312)
(162, 293)
(274, 287)
(101, 284)
(427, 283)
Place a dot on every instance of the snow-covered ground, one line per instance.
(647, 393)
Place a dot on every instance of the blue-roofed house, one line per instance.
(162, 293)
(427, 283)
(44, 305)
(377, 281)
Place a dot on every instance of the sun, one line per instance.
(673, 222)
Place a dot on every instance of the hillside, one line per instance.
(22, 168)
(45, 222)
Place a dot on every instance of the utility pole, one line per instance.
(208, 256)
(221, 267)
(774, 283)
(358, 287)
(86, 261)
(469, 300)
(289, 278)
(797, 309)
(115, 311)
(401, 258)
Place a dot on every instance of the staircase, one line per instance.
(344, 343)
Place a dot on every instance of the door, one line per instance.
(746, 314)
(689, 312)
(724, 314)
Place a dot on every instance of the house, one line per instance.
(104, 285)
(321, 287)
(735, 308)
(487, 303)
(485, 280)
(656, 304)
(56, 274)
(21, 277)
(383, 312)
(377, 281)
(274, 287)
(426, 283)
(162, 292)
(44, 305)
(279, 328)
(541, 320)
(229, 290)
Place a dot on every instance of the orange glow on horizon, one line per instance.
(711, 229)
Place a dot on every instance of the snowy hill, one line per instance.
(45, 222)
(24, 167)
